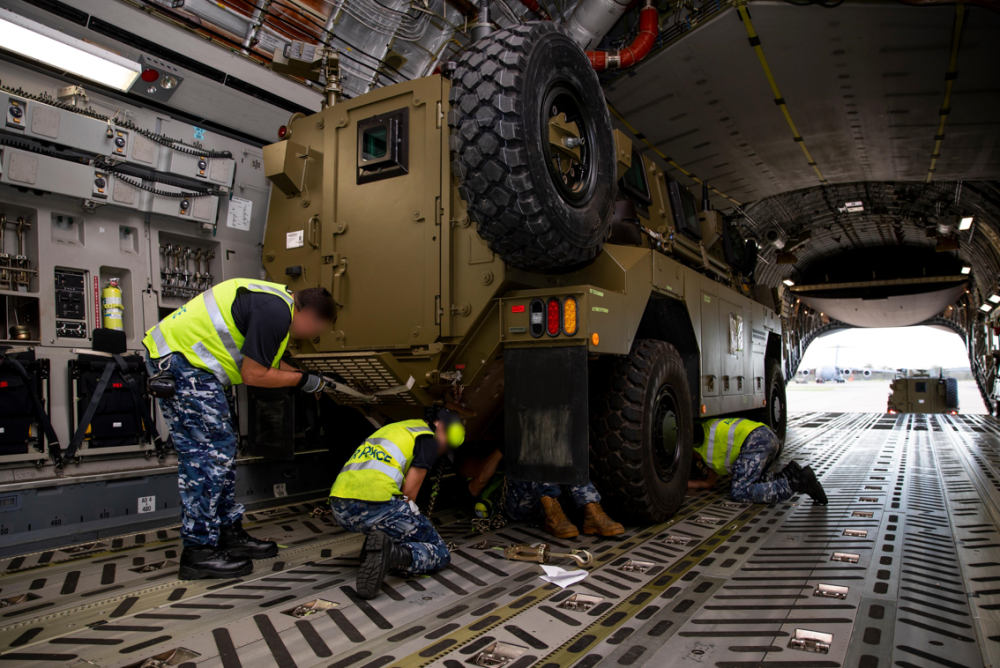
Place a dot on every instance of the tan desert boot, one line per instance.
(556, 522)
(596, 521)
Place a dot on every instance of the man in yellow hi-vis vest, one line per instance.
(235, 332)
(374, 495)
(745, 449)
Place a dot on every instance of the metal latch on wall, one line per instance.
(338, 279)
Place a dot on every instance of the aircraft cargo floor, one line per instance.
(901, 569)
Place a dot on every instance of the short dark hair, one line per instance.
(318, 300)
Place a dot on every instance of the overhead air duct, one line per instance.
(775, 238)
(592, 19)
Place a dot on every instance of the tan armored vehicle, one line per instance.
(917, 392)
(492, 244)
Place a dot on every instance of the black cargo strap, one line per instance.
(149, 425)
(88, 415)
(150, 431)
(55, 451)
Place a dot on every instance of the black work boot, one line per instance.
(379, 554)
(209, 561)
(239, 544)
(803, 479)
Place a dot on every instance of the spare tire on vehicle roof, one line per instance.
(533, 147)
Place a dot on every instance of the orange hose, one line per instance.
(536, 8)
(649, 28)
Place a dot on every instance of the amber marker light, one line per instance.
(569, 316)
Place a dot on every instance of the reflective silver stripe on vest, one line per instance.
(729, 443)
(711, 443)
(213, 365)
(221, 328)
(419, 430)
(391, 448)
(162, 348)
(375, 465)
(281, 293)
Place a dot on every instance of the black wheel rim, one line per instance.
(576, 179)
(777, 410)
(665, 434)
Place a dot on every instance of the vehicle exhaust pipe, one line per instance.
(649, 28)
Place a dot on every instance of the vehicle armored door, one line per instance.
(382, 242)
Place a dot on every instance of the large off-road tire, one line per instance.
(951, 393)
(506, 89)
(641, 432)
(775, 413)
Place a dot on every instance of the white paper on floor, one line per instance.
(562, 577)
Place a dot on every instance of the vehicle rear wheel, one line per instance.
(951, 393)
(641, 432)
(533, 147)
(775, 413)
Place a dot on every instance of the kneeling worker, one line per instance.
(374, 492)
(745, 449)
(235, 332)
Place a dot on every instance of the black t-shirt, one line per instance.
(263, 320)
(425, 452)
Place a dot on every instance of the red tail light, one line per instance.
(553, 317)
(282, 131)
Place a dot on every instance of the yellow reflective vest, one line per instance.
(722, 441)
(376, 470)
(203, 330)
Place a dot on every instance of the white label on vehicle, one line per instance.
(536, 318)
(147, 504)
(294, 239)
(116, 425)
(920, 401)
(238, 217)
(279, 490)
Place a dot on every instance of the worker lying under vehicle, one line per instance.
(521, 500)
(745, 449)
(232, 334)
(373, 495)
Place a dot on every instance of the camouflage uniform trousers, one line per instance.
(399, 522)
(750, 482)
(201, 430)
(523, 500)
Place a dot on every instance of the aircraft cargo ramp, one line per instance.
(901, 569)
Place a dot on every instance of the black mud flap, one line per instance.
(546, 409)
